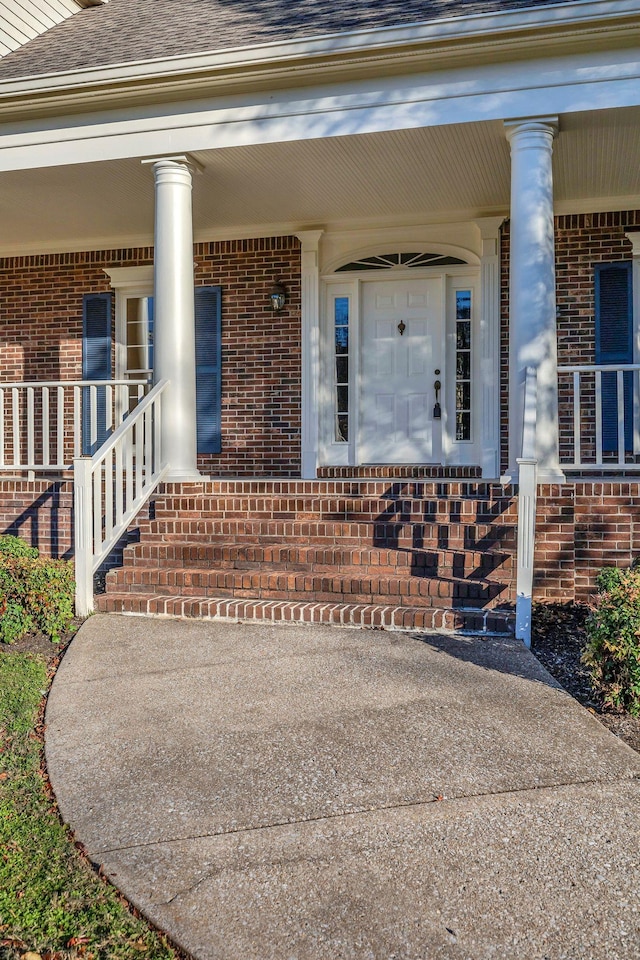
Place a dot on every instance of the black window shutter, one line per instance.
(208, 304)
(96, 363)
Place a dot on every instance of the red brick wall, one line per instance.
(261, 356)
(582, 527)
(40, 513)
(582, 240)
(41, 338)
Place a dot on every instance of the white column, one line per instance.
(310, 240)
(532, 312)
(490, 344)
(174, 326)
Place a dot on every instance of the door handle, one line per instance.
(437, 410)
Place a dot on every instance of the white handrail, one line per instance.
(111, 487)
(527, 504)
(44, 424)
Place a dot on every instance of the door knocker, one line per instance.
(402, 327)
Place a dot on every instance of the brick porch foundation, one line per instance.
(581, 527)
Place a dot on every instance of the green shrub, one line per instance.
(16, 547)
(612, 654)
(35, 593)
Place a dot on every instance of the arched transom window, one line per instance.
(389, 261)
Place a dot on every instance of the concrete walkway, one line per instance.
(315, 793)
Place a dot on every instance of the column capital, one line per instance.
(181, 161)
(309, 239)
(531, 127)
(634, 238)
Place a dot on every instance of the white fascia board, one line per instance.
(600, 80)
(406, 38)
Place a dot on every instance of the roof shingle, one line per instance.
(128, 30)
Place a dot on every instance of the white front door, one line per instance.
(402, 348)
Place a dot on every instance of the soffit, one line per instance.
(423, 175)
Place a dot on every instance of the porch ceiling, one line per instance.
(419, 175)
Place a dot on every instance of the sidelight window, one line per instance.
(463, 364)
(341, 368)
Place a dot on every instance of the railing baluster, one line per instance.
(109, 522)
(598, 385)
(620, 397)
(15, 413)
(77, 422)
(2, 427)
(31, 427)
(61, 413)
(119, 485)
(93, 414)
(108, 400)
(577, 418)
(45, 427)
(128, 467)
(139, 454)
(148, 446)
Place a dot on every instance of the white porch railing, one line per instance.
(44, 426)
(589, 441)
(111, 487)
(527, 503)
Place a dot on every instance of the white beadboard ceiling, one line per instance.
(425, 175)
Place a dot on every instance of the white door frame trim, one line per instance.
(487, 340)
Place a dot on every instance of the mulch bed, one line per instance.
(558, 639)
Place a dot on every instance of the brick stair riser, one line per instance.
(383, 535)
(277, 585)
(350, 615)
(321, 560)
(364, 511)
(184, 494)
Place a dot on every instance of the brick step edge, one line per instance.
(363, 616)
(276, 530)
(302, 557)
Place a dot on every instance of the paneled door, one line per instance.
(402, 348)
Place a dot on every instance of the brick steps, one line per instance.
(314, 489)
(282, 585)
(314, 559)
(350, 510)
(409, 535)
(410, 553)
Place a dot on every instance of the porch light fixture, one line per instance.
(277, 297)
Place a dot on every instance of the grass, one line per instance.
(52, 902)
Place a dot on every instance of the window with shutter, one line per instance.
(614, 344)
(96, 365)
(208, 303)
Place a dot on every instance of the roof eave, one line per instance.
(576, 21)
